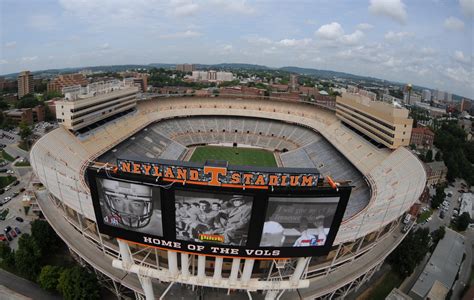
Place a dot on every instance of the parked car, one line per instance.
(19, 219)
(22, 190)
(15, 194)
(13, 233)
(3, 238)
(441, 214)
(9, 172)
(3, 170)
(17, 182)
(6, 199)
(8, 228)
(8, 237)
(17, 230)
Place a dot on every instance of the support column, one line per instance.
(218, 269)
(185, 265)
(247, 272)
(125, 253)
(300, 266)
(173, 263)
(147, 287)
(201, 268)
(234, 272)
(271, 295)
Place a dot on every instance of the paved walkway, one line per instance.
(24, 287)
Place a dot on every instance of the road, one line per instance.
(24, 287)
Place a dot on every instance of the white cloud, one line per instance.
(453, 23)
(3, 62)
(397, 36)
(10, 44)
(394, 9)
(353, 38)
(104, 46)
(255, 39)
(29, 58)
(467, 7)
(427, 51)
(330, 31)
(183, 34)
(460, 57)
(183, 8)
(365, 26)
(460, 74)
(236, 6)
(294, 42)
(42, 22)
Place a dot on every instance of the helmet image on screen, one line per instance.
(131, 203)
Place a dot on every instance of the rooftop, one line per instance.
(443, 265)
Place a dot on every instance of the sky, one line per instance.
(423, 42)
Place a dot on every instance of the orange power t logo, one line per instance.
(215, 172)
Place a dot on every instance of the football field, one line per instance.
(235, 156)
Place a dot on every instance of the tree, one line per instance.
(463, 221)
(437, 236)
(3, 105)
(49, 277)
(25, 130)
(28, 257)
(410, 252)
(429, 156)
(78, 283)
(45, 237)
(438, 198)
(438, 156)
(28, 101)
(7, 257)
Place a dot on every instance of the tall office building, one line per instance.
(25, 84)
(382, 122)
(186, 68)
(426, 95)
(293, 81)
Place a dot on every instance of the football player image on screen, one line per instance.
(314, 237)
(131, 206)
(203, 217)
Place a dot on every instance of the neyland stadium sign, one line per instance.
(222, 176)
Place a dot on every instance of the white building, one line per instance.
(466, 204)
(212, 76)
(426, 95)
(83, 106)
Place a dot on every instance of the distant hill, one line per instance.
(326, 73)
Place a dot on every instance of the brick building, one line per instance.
(422, 137)
(435, 172)
(62, 81)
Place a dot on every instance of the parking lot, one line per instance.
(452, 203)
(15, 204)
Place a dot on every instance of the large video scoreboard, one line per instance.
(216, 209)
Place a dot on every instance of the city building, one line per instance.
(187, 68)
(84, 106)
(308, 91)
(25, 84)
(8, 85)
(382, 122)
(390, 99)
(241, 91)
(441, 271)
(467, 200)
(435, 172)
(66, 80)
(422, 137)
(426, 95)
(212, 76)
(465, 105)
(26, 115)
(293, 82)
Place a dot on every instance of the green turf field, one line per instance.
(235, 156)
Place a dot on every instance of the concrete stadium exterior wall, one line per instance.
(396, 178)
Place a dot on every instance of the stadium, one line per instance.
(245, 131)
